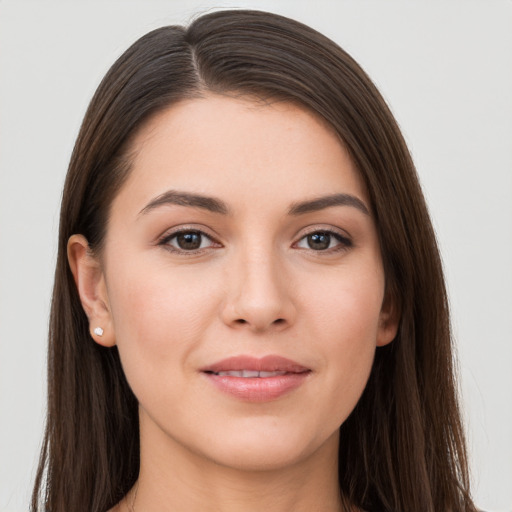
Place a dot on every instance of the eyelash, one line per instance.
(344, 243)
(165, 241)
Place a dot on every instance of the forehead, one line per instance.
(239, 148)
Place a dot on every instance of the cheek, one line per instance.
(347, 317)
(159, 314)
(347, 304)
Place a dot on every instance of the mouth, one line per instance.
(248, 374)
(253, 379)
(248, 366)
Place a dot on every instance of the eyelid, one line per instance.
(344, 239)
(169, 234)
(308, 230)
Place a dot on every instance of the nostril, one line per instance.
(278, 321)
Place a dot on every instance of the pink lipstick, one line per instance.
(256, 379)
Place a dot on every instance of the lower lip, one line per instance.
(258, 389)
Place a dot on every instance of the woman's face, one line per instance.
(243, 242)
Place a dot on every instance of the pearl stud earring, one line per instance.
(98, 331)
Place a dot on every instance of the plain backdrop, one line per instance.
(445, 68)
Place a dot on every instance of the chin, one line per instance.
(256, 449)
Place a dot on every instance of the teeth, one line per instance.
(249, 374)
(270, 374)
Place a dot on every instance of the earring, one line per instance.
(98, 331)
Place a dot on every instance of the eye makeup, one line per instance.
(188, 241)
(324, 241)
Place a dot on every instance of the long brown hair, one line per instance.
(402, 448)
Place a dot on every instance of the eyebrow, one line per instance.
(214, 205)
(323, 202)
(187, 199)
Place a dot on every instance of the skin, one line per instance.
(254, 287)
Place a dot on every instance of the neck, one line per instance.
(173, 478)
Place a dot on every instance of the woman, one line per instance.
(249, 309)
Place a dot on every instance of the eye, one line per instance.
(188, 241)
(323, 241)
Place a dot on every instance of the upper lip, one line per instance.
(270, 363)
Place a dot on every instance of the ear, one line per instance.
(389, 319)
(92, 289)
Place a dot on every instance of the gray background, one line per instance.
(445, 67)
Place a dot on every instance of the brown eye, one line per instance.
(188, 241)
(324, 241)
(319, 241)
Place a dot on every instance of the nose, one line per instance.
(258, 297)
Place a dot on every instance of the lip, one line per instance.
(257, 389)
